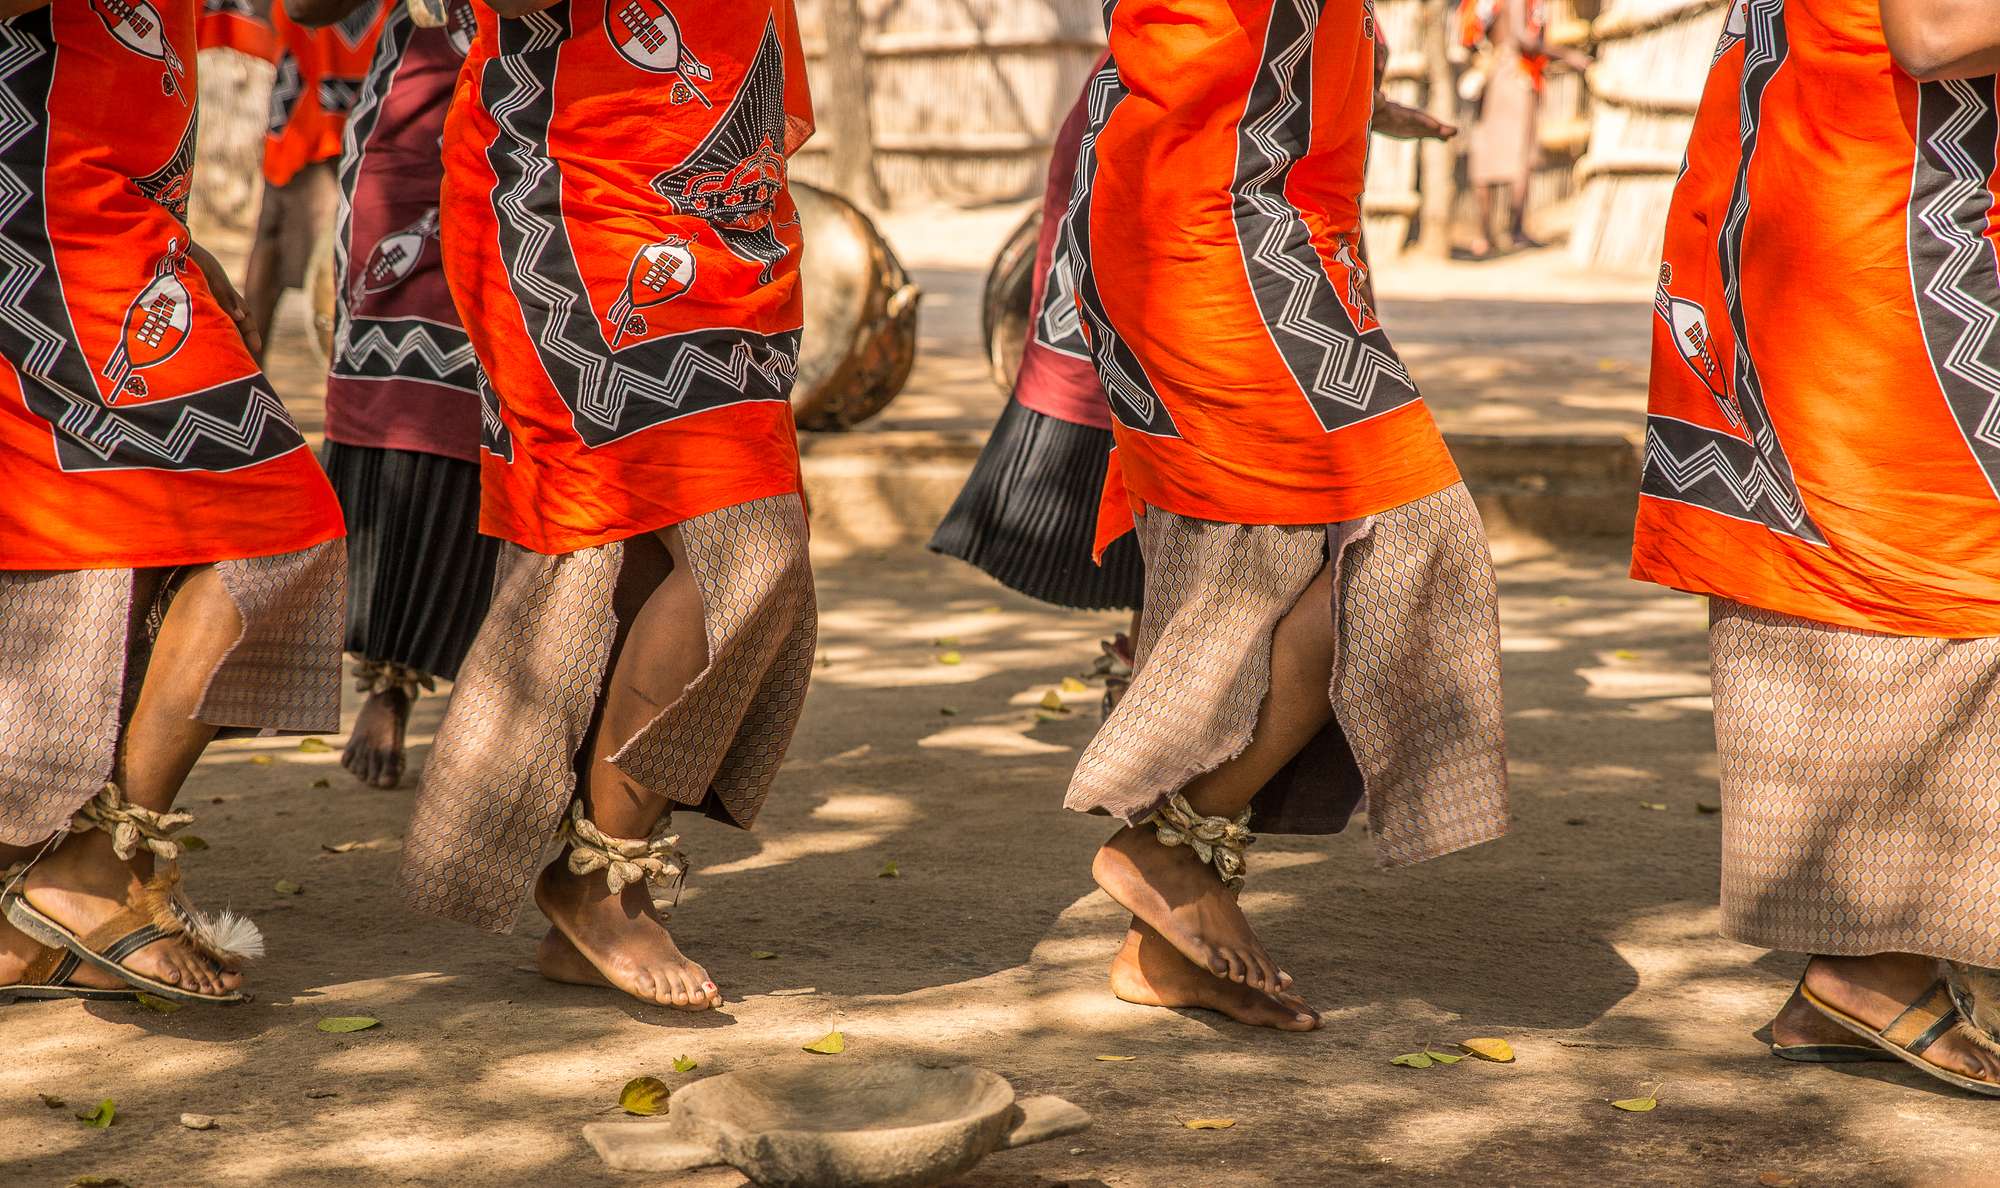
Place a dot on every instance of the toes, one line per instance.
(1238, 970)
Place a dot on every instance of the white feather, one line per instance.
(229, 934)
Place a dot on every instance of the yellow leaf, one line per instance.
(287, 887)
(1636, 1105)
(833, 1044)
(262, 760)
(889, 871)
(99, 1115)
(948, 711)
(315, 746)
(950, 658)
(52, 1101)
(340, 847)
(1052, 700)
(97, 1182)
(342, 1024)
(643, 1097)
(1413, 1060)
(155, 1003)
(761, 954)
(1653, 806)
(683, 1064)
(1072, 685)
(192, 843)
(1625, 654)
(1117, 1058)
(1497, 1050)
(989, 610)
(1209, 1123)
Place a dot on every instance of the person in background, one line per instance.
(1506, 137)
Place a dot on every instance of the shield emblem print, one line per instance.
(646, 34)
(1687, 324)
(660, 272)
(395, 256)
(136, 25)
(156, 325)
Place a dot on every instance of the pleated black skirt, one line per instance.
(1028, 515)
(419, 575)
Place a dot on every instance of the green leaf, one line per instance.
(155, 1003)
(1413, 1060)
(100, 1115)
(315, 746)
(832, 1044)
(1636, 1105)
(192, 843)
(287, 887)
(51, 1101)
(1445, 1058)
(342, 1024)
(889, 871)
(683, 1064)
(644, 1097)
(947, 711)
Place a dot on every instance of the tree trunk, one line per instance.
(1439, 171)
(842, 106)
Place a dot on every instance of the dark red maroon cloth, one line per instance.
(403, 374)
(1057, 378)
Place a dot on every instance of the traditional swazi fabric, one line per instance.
(317, 84)
(1823, 431)
(403, 374)
(620, 239)
(75, 647)
(237, 25)
(135, 429)
(504, 768)
(1215, 224)
(1027, 515)
(1860, 791)
(1418, 730)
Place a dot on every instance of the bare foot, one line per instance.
(1798, 1023)
(1877, 989)
(622, 937)
(374, 751)
(81, 884)
(1151, 972)
(1184, 899)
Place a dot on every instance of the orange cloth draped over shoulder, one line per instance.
(320, 72)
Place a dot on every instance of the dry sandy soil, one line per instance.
(1587, 938)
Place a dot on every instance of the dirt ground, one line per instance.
(1587, 938)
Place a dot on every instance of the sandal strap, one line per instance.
(380, 676)
(50, 967)
(624, 860)
(1924, 1022)
(134, 941)
(1218, 841)
(131, 828)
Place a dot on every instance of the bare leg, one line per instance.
(622, 937)
(1175, 892)
(374, 751)
(1482, 243)
(81, 882)
(1876, 989)
(263, 279)
(1518, 200)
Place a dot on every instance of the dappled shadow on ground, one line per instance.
(1587, 937)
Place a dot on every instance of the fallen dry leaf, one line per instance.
(1653, 806)
(1413, 1060)
(1209, 1123)
(153, 1002)
(1072, 685)
(315, 746)
(889, 871)
(287, 887)
(683, 1064)
(97, 1182)
(1704, 807)
(322, 1094)
(1639, 1105)
(1773, 1179)
(262, 760)
(945, 641)
(192, 843)
(950, 658)
(198, 1121)
(761, 954)
(832, 1044)
(1052, 701)
(948, 711)
(1117, 1058)
(99, 1115)
(795, 992)
(343, 1024)
(321, 784)
(643, 1097)
(342, 847)
(51, 1101)
(1499, 1051)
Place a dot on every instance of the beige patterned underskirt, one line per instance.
(1860, 788)
(1418, 732)
(504, 767)
(74, 643)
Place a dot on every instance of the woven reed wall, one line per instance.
(1653, 59)
(965, 95)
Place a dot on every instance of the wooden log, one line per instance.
(845, 109)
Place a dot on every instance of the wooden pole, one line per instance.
(1438, 174)
(843, 108)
